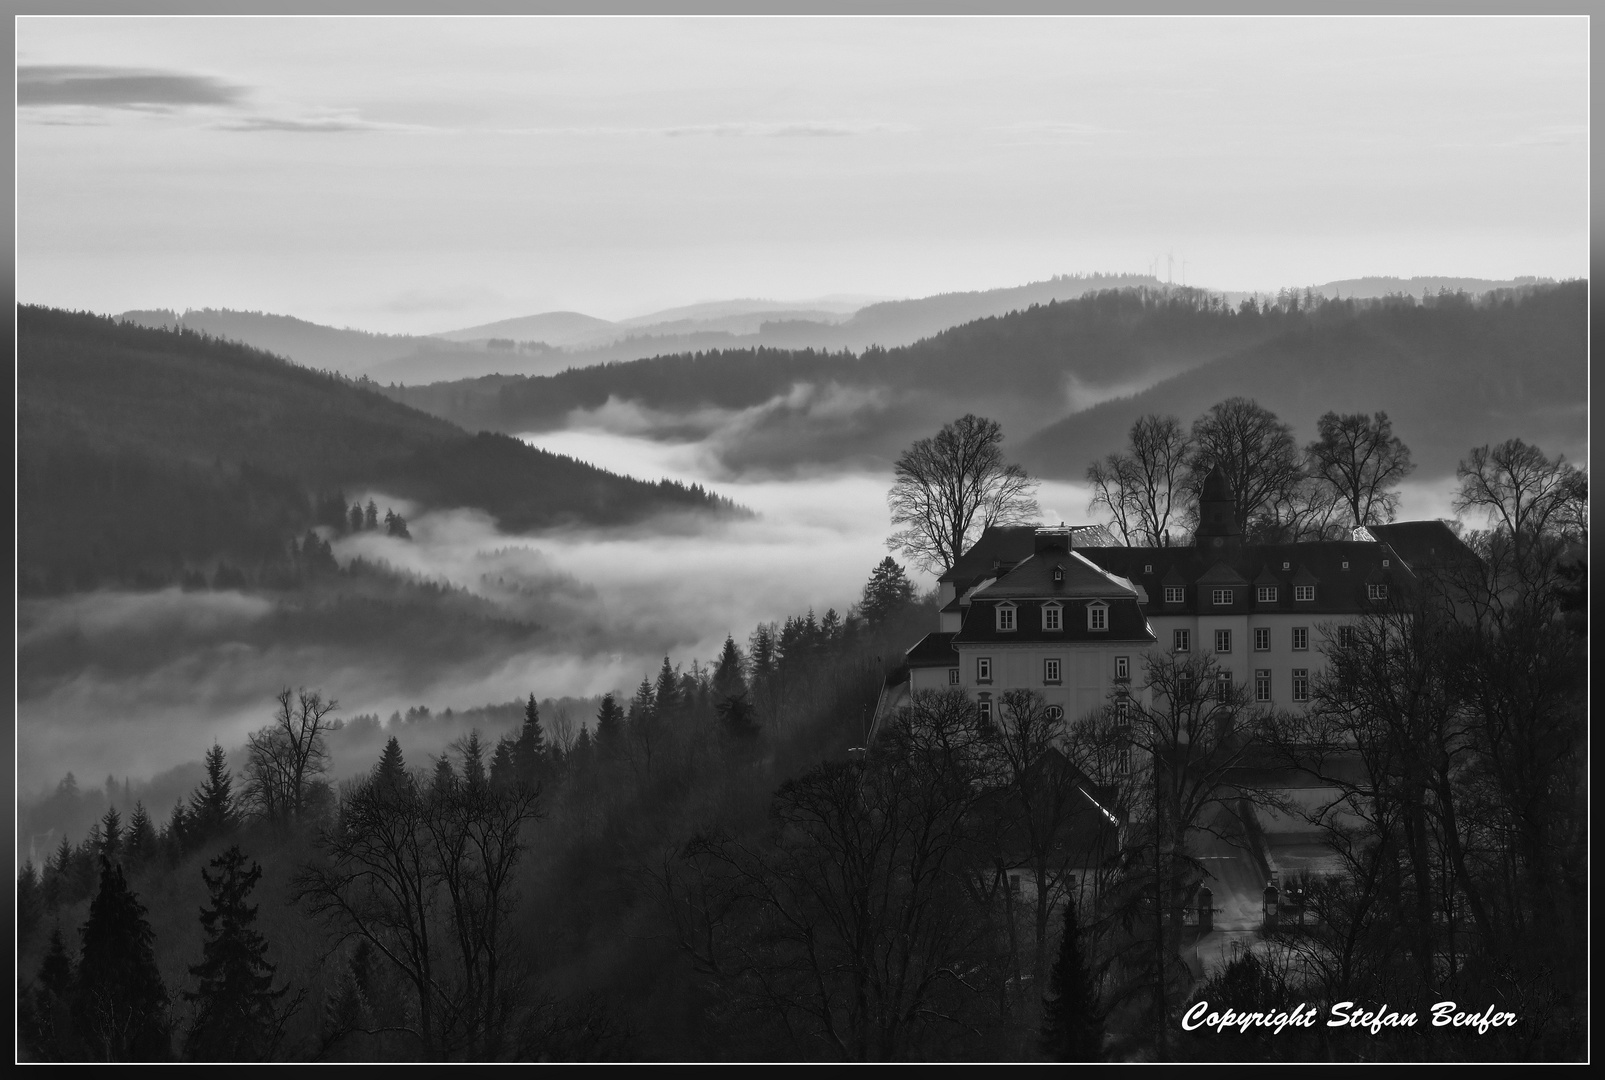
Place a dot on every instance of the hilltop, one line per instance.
(145, 453)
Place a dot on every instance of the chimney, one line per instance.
(1052, 538)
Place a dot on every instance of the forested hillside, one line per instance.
(1452, 371)
(144, 454)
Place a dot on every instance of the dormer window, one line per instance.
(1148, 568)
(1005, 617)
(1287, 566)
(1376, 592)
(1266, 594)
(1221, 597)
(1174, 594)
(1345, 564)
(1053, 617)
(1303, 592)
(1058, 575)
(1098, 615)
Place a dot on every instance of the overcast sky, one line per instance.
(423, 174)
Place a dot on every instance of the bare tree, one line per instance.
(288, 756)
(952, 487)
(1253, 448)
(1521, 490)
(1360, 458)
(1142, 487)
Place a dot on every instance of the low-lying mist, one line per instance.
(132, 684)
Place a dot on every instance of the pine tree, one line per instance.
(370, 516)
(609, 727)
(729, 678)
(445, 777)
(30, 901)
(530, 753)
(44, 1010)
(120, 1004)
(391, 771)
(141, 843)
(1072, 1030)
(473, 752)
(212, 811)
(666, 692)
(111, 834)
(761, 647)
(502, 772)
(175, 834)
(355, 518)
(887, 592)
(236, 1007)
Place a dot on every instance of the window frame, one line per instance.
(1223, 686)
(1053, 617)
(1122, 668)
(1008, 617)
(1175, 594)
(983, 669)
(1301, 685)
(1052, 671)
(1215, 597)
(1265, 594)
(1301, 639)
(1262, 639)
(953, 676)
(1345, 636)
(1223, 640)
(1181, 640)
(1098, 617)
(1376, 592)
(1303, 594)
(1262, 684)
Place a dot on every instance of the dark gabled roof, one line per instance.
(1034, 578)
(1125, 620)
(1006, 544)
(1318, 563)
(1221, 575)
(933, 650)
(1423, 544)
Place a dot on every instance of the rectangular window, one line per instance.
(1304, 592)
(952, 676)
(1265, 594)
(1181, 640)
(1301, 638)
(1050, 671)
(1223, 641)
(1005, 618)
(1174, 594)
(1262, 684)
(1223, 686)
(1051, 617)
(1221, 597)
(1301, 684)
(1345, 636)
(1122, 667)
(983, 669)
(1123, 762)
(1262, 638)
(984, 711)
(1097, 617)
(1376, 592)
(1184, 688)
(1123, 711)
(1014, 886)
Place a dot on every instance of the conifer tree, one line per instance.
(236, 1007)
(887, 592)
(530, 752)
(44, 1012)
(445, 777)
(370, 516)
(392, 769)
(473, 753)
(1072, 1030)
(175, 834)
(666, 692)
(502, 772)
(355, 516)
(30, 901)
(141, 842)
(212, 811)
(120, 1003)
(609, 727)
(729, 677)
(111, 833)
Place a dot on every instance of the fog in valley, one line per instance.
(132, 684)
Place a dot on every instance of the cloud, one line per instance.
(330, 124)
(121, 88)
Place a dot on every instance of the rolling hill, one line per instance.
(145, 453)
